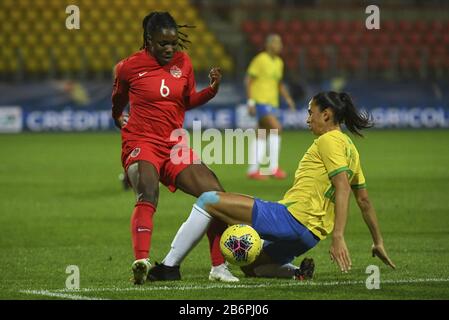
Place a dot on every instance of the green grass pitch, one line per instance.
(61, 204)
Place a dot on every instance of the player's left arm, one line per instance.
(195, 99)
(286, 95)
(370, 218)
(339, 251)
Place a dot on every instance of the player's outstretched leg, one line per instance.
(197, 180)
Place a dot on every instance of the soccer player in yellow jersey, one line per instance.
(313, 208)
(263, 85)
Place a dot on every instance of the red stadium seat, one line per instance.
(357, 26)
(445, 39)
(379, 58)
(405, 26)
(248, 26)
(311, 26)
(320, 39)
(291, 62)
(265, 27)
(414, 38)
(342, 26)
(257, 39)
(436, 26)
(327, 26)
(337, 38)
(384, 39)
(352, 39)
(279, 27)
(430, 38)
(388, 26)
(398, 39)
(289, 39)
(420, 26)
(295, 26)
(304, 38)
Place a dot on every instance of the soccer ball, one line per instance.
(240, 244)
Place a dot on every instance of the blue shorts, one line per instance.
(263, 110)
(284, 237)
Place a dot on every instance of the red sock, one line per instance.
(214, 233)
(142, 228)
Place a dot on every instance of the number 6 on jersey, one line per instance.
(164, 90)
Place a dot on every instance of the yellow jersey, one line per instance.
(311, 199)
(266, 73)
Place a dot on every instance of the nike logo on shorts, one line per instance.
(142, 73)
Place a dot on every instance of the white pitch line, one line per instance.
(252, 286)
(59, 295)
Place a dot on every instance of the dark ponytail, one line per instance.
(344, 111)
(156, 21)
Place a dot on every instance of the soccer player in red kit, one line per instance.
(159, 85)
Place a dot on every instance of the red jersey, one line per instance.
(158, 96)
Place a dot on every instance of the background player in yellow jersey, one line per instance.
(313, 208)
(263, 85)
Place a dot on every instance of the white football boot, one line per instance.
(140, 270)
(222, 273)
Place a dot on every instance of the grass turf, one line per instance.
(61, 204)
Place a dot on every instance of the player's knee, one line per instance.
(207, 198)
(148, 193)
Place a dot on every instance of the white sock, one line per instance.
(188, 236)
(275, 270)
(275, 145)
(257, 153)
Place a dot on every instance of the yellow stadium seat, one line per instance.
(31, 40)
(41, 4)
(7, 27)
(15, 40)
(110, 30)
(48, 39)
(32, 15)
(8, 4)
(47, 15)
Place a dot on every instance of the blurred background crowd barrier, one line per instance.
(55, 79)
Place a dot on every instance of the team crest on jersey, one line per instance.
(176, 72)
(135, 152)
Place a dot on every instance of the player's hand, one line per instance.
(252, 111)
(215, 78)
(379, 251)
(339, 253)
(121, 121)
(251, 104)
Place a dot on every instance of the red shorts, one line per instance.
(169, 161)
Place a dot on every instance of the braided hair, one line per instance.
(156, 21)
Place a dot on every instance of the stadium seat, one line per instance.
(295, 26)
(113, 25)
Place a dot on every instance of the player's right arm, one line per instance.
(253, 72)
(120, 97)
(250, 103)
(339, 251)
(370, 218)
